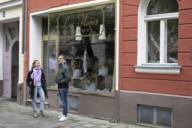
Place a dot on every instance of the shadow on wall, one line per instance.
(20, 94)
(1, 88)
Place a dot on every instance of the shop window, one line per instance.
(158, 35)
(86, 38)
(152, 115)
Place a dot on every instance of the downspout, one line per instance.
(117, 53)
(25, 10)
(24, 49)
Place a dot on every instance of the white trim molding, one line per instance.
(117, 27)
(162, 16)
(157, 94)
(158, 69)
(21, 56)
(10, 4)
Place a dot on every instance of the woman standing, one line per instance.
(37, 84)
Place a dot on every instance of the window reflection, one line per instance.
(153, 41)
(162, 6)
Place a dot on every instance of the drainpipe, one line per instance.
(25, 10)
(117, 89)
(24, 49)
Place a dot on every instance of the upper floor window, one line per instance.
(158, 33)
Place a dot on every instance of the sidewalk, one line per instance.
(13, 115)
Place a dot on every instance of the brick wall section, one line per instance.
(1, 88)
(46, 4)
(158, 83)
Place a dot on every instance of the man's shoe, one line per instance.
(63, 118)
(35, 115)
(60, 115)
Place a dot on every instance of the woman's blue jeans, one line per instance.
(38, 90)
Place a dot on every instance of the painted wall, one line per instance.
(12, 13)
(157, 83)
(2, 1)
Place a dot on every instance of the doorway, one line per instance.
(10, 59)
(14, 69)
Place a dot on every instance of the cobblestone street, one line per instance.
(13, 115)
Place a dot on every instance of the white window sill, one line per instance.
(158, 69)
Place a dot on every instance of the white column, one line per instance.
(163, 42)
(35, 44)
(1, 52)
(21, 56)
(117, 30)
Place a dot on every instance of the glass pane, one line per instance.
(53, 24)
(172, 38)
(164, 117)
(90, 59)
(145, 114)
(52, 63)
(153, 28)
(45, 26)
(162, 6)
(45, 58)
(53, 40)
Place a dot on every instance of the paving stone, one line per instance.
(88, 125)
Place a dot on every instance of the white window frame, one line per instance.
(142, 65)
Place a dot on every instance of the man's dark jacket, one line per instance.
(63, 76)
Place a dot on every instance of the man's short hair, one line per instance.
(61, 55)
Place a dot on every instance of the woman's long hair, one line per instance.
(33, 64)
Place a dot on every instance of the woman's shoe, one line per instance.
(35, 115)
(42, 114)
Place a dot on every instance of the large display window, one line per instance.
(86, 37)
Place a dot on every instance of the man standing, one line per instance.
(62, 79)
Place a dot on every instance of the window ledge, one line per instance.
(103, 93)
(96, 93)
(158, 69)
